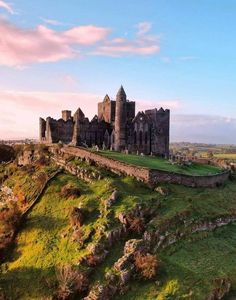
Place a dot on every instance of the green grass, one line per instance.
(189, 266)
(40, 246)
(161, 164)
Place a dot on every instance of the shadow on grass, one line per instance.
(46, 223)
(27, 283)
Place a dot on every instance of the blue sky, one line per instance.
(176, 54)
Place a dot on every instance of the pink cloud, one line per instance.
(86, 35)
(6, 6)
(126, 48)
(23, 46)
(142, 44)
(24, 108)
(173, 105)
(20, 47)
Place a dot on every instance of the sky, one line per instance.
(180, 55)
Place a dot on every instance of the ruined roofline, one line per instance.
(155, 110)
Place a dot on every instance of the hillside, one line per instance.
(189, 232)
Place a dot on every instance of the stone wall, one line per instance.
(115, 166)
(156, 176)
(149, 176)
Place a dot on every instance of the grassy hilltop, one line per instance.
(189, 268)
(161, 164)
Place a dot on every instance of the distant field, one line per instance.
(161, 164)
(226, 155)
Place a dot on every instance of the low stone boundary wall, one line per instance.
(156, 176)
(140, 173)
(149, 176)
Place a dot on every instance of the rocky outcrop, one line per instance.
(164, 238)
(123, 269)
(111, 200)
(77, 170)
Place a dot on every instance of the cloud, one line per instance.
(86, 35)
(203, 128)
(20, 47)
(144, 27)
(142, 44)
(142, 105)
(52, 22)
(25, 46)
(7, 7)
(22, 109)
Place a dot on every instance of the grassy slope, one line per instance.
(161, 164)
(41, 247)
(191, 268)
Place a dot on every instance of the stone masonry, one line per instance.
(116, 127)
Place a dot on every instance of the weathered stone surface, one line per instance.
(133, 245)
(115, 127)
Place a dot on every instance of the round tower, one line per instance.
(120, 120)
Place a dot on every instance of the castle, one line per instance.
(115, 127)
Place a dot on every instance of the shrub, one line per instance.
(10, 217)
(70, 282)
(93, 260)
(7, 153)
(9, 220)
(136, 224)
(146, 264)
(69, 191)
(76, 217)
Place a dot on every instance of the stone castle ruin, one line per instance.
(115, 127)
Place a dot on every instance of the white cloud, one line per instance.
(203, 128)
(52, 22)
(144, 27)
(7, 7)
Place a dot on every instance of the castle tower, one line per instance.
(42, 129)
(66, 115)
(120, 120)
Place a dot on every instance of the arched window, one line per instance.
(140, 137)
(135, 138)
(146, 138)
